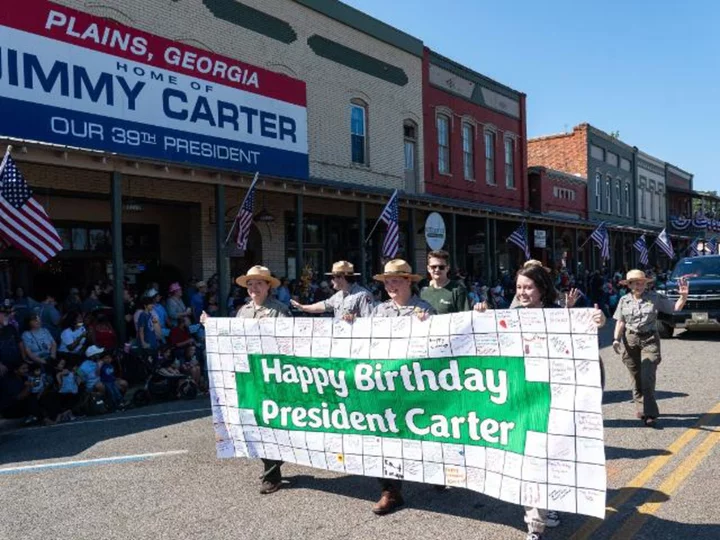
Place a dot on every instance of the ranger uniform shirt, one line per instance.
(452, 298)
(641, 315)
(270, 308)
(357, 301)
(415, 306)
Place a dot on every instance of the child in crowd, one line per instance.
(191, 365)
(89, 371)
(68, 397)
(112, 384)
(37, 381)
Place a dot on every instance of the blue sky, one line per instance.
(648, 69)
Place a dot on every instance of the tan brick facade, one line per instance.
(566, 152)
(330, 86)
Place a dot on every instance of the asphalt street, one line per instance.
(151, 473)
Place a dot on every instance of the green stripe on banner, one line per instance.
(474, 400)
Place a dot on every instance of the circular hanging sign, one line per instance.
(435, 231)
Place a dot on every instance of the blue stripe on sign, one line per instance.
(44, 123)
(87, 462)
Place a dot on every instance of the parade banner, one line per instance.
(70, 78)
(506, 403)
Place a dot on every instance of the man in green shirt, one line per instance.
(444, 294)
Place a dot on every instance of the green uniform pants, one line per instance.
(641, 357)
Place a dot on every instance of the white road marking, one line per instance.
(87, 462)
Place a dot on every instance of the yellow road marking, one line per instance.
(667, 488)
(591, 525)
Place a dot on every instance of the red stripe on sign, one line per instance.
(71, 26)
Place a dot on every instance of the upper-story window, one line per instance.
(663, 202)
(597, 153)
(627, 199)
(598, 192)
(509, 163)
(468, 140)
(608, 195)
(358, 131)
(490, 157)
(612, 159)
(624, 164)
(643, 183)
(618, 198)
(443, 133)
(652, 197)
(564, 193)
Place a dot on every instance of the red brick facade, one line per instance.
(567, 152)
(555, 192)
(462, 111)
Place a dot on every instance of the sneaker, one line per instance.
(534, 536)
(268, 487)
(553, 519)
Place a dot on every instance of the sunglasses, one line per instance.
(438, 267)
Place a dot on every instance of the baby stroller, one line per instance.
(164, 383)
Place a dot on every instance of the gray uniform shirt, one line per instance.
(414, 306)
(641, 315)
(357, 301)
(271, 308)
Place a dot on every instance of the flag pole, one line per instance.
(5, 158)
(588, 238)
(255, 179)
(378, 219)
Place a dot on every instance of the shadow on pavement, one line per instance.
(18, 444)
(668, 421)
(622, 396)
(616, 452)
(698, 335)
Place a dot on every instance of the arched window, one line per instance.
(598, 192)
(358, 131)
(627, 199)
(608, 195)
(468, 142)
(618, 198)
(443, 139)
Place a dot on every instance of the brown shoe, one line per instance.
(270, 487)
(390, 500)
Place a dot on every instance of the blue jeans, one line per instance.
(113, 394)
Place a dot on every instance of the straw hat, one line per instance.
(342, 268)
(397, 268)
(636, 275)
(258, 272)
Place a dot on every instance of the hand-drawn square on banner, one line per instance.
(255, 449)
(379, 349)
(322, 327)
(562, 371)
(392, 468)
(511, 344)
(401, 327)
(461, 323)
(439, 346)
(453, 454)
(561, 447)
(494, 460)
(381, 327)
(412, 449)
(211, 327)
(487, 344)
(315, 441)
(360, 348)
(392, 447)
(302, 346)
(297, 438)
(247, 417)
(537, 370)
(285, 345)
(420, 328)
(336, 462)
(536, 444)
(399, 347)
(562, 396)
(417, 348)
(229, 377)
(270, 345)
(585, 347)
(532, 321)
(318, 459)
(581, 321)
(226, 362)
(493, 484)
(341, 329)
(237, 326)
(475, 456)
(282, 436)
(373, 465)
(239, 344)
(251, 434)
(455, 475)
(534, 469)
(591, 476)
(508, 320)
(333, 443)
(432, 451)
(560, 345)
(434, 473)
(354, 464)
(561, 498)
(591, 502)
(321, 347)
(254, 345)
(463, 345)
(252, 327)
(231, 396)
(213, 362)
(558, 320)
(510, 490)
(587, 372)
(561, 472)
(475, 478)
(267, 435)
(362, 328)
(341, 348)
(413, 470)
(535, 345)
(588, 399)
(352, 444)
(223, 326)
(211, 345)
(303, 327)
(589, 425)
(484, 323)
(272, 451)
(372, 446)
(440, 325)
(591, 450)
(513, 465)
(241, 449)
(302, 456)
(284, 327)
(533, 494)
(267, 326)
(561, 422)
(287, 453)
(233, 416)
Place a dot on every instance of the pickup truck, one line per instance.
(702, 309)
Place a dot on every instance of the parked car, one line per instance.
(702, 309)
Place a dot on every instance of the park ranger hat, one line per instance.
(258, 272)
(397, 268)
(636, 275)
(342, 268)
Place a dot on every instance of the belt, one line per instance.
(641, 334)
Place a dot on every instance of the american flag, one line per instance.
(23, 222)
(244, 218)
(520, 239)
(390, 216)
(602, 241)
(711, 246)
(663, 240)
(693, 250)
(641, 245)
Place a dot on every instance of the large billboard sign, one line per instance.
(74, 79)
